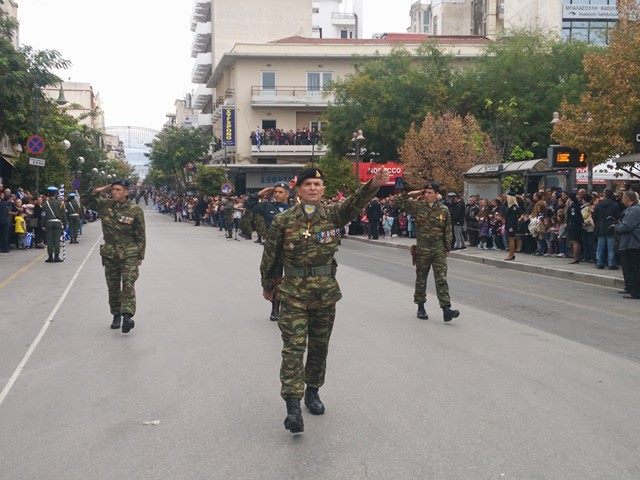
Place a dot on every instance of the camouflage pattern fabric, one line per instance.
(307, 303)
(125, 243)
(434, 237)
(55, 222)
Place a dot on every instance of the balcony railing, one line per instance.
(348, 19)
(290, 96)
(288, 150)
(202, 68)
(201, 12)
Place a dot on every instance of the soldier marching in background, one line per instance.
(55, 223)
(265, 212)
(434, 236)
(74, 216)
(123, 250)
(304, 239)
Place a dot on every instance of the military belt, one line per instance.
(119, 242)
(55, 220)
(318, 271)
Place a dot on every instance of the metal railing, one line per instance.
(288, 92)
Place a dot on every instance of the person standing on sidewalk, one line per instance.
(457, 218)
(471, 219)
(374, 214)
(305, 239)
(123, 250)
(511, 224)
(606, 213)
(629, 230)
(433, 225)
(574, 227)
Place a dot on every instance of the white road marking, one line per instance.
(45, 327)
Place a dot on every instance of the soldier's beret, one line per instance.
(72, 195)
(452, 194)
(284, 185)
(309, 173)
(52, 189)
(121, 182)
(435, 186)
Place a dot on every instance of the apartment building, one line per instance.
(441, 17)
(282, 86)
(82, 102)
(9, 8)
(336, 19)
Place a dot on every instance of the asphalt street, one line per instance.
(538, 379)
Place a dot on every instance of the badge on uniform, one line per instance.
(310, 211)
(126, 220)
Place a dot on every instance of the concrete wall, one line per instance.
(544, 14)
(82, 97)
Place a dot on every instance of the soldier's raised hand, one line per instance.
(381, 178)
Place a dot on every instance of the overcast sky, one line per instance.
(136, 53)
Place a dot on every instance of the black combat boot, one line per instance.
(449, 314)
(294, 422)
(49, 260)
(313, 402)
(57, 259)
(115, 325)
(422, 313)
(127, 323)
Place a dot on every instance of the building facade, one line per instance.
(82, 103)
(280, 90)
(9, 8)
(441, 17)
(331, 19)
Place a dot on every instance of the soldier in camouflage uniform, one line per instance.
(305, 239)
(123, 250)
(433, 232)
(74, 216)
(55, 223)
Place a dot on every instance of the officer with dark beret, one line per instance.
(304, 240)
(123, 250)
(433, 243)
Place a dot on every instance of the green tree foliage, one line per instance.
(384, 97)
(517, 85)
(173, 149)
(209, 179)
(339, 174)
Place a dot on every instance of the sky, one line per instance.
(137, 53)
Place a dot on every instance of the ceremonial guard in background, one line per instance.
(74, 215)
(55, 223)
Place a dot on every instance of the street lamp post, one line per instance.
(357, 140)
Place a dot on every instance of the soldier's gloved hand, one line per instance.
(381, 178)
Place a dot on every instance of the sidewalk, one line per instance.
(549, 266)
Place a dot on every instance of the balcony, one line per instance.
(343, 19)
(202, 68)
(227, 99)
(200, 120)
(201, 13)
(202, 38)
(288, 151)
(290, 97)
(201, 96)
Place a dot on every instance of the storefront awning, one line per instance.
(501, 169)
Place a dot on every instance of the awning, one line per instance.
(500, 169)
(629, 164)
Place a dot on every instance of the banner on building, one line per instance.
(585, 11)
(228, 126)
(368, 171)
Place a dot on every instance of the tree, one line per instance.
(339, 174)
(209, 179)
(443, 148)
(602, 123)
(515, 181)
(174, 148)
(384, 97)
(517, 85)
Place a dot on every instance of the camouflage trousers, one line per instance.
(297, 325)
(121, 277)
(425, 259)
(52, 234)
(74, 227)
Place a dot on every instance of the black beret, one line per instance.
(284, 185)
(435, 186)
(309, 173)
(121, 182)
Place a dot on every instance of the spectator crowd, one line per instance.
(275, 136)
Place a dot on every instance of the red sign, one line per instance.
(35, 145)
(368, 171)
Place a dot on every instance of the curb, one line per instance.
(590, 278)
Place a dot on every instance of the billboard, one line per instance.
(368, 170)
(228, 126)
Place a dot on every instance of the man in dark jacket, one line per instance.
(606, 213)
(199, 211)
(629, 230)
(470, 217)
(456, 207)
(374, 214)
(5, 219)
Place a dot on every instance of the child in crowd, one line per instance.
(551, 237)
(387, 225)
(496, 229)
(411, 226)
(20, 230)
(484, 229)
(402, 224)
(539, 232)
(562, 233)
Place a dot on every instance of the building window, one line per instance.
(269, 124)
(318, 81)
(435, 25)
(268, 83)
(316, 10)
(344, 34)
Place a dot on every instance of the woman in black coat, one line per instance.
(511, 224)
(574, 227)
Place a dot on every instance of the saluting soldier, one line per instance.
(305, 239)
(265, 212)
(55, 223)
(434, 236)
(123, 250)
(73, 215)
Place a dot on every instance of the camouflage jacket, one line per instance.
(53, 209)
(433, 223)
(122, 227)
(295, 242)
